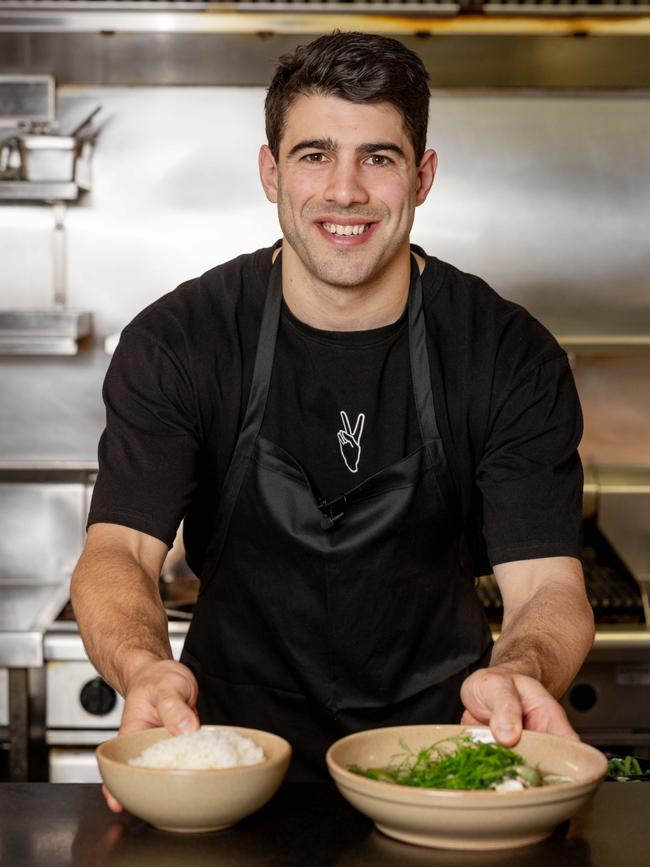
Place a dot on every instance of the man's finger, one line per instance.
(177, 716)
(557, 723)
(468, 719)
(506, 720)
(113, 804)
(493, 697)
(136, 719)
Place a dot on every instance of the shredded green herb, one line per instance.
(472, 765)
(627, 767)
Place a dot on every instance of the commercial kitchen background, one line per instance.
(543, 189)
(544, 195)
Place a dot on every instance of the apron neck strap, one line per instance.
(419, 355)
(266, 341)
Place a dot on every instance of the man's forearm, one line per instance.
(548, 637)
(120, 615)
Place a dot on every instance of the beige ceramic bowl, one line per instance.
(191, 801)
(462, 819)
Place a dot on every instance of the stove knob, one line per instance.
(97, 697)
(583, 696)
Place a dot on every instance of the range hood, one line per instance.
(196, 16)
(34, 8)
(486, 44)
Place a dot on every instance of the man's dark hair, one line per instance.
(358, 67)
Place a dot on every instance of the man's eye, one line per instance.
(378, 160)
(314, 158)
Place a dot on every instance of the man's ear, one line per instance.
(426, 174)
(268, 173)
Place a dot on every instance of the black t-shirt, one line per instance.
(341, 402)
(505, 401)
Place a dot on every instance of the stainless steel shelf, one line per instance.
(53, 331)
(604, 344)
(27, 610)
(39, 191)
(53, 413)
(613, 639)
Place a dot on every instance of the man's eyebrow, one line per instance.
(315, 144)
(374, 146)
(329, 145)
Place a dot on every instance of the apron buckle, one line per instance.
(332, 511)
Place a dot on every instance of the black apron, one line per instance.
(319, 618)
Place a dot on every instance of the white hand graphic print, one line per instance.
(350, 440)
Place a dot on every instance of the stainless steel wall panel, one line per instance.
(41, 537)
(52, 414)
(41, 531)
(15, 52)
(615, 397)
(159, 59)
(546, 195)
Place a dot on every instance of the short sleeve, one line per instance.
(148, 451)
(530, 475)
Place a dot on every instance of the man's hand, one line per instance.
(161, 693)
(509, 702)
(350, 440)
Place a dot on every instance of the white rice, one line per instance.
(206, 748)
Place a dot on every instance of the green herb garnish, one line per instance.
(627, 767)
(472, 765)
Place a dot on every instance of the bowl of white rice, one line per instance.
(204, 781)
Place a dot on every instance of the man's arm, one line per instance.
(123, 625)
(115, 596)
(547, 631)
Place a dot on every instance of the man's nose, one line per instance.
(345, 186)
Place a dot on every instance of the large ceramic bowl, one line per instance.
(191, 801)
(465, 819)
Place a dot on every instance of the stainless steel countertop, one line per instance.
(45, 824)
(52, 409)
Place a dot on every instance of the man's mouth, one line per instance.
(338, 229)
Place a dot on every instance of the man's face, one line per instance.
(346, 185)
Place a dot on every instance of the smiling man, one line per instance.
(346, 425)
(346, 201)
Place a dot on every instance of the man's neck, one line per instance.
(357, 308)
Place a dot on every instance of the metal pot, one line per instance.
(48, 157)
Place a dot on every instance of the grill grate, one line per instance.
(612, 591)
(566, 7)
(566, 4)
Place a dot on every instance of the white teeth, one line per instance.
(335, 229)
